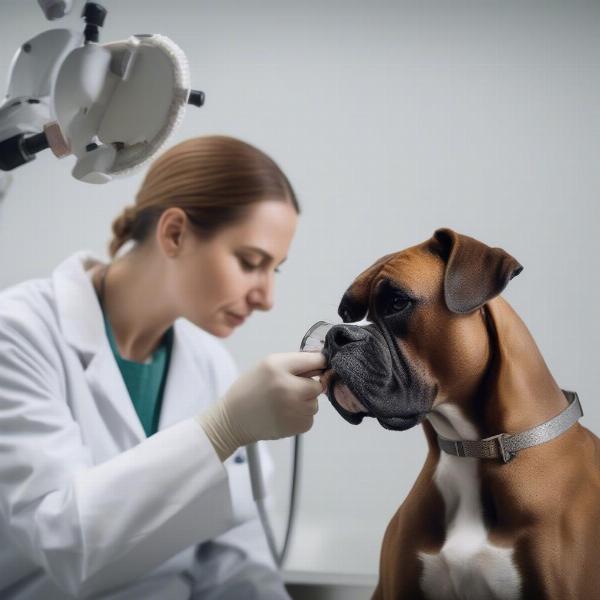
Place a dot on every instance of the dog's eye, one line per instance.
(397, 304)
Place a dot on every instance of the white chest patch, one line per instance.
(467, 567)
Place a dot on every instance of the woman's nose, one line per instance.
(261, 296)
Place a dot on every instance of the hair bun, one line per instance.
(123, 228)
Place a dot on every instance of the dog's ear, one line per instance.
(475, 273)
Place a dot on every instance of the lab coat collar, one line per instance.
(79, 312)
(82, 324)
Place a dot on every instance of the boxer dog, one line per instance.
(514, 516)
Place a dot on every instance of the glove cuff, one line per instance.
(217, 426)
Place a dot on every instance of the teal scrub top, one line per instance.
(145, 382)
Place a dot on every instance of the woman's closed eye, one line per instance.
(250, 265)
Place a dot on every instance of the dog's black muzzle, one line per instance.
(368, 360)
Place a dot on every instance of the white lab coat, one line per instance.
(90, 507)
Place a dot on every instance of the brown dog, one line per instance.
(512, 517)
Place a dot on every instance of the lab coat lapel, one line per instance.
(186, 390)
(82, 324)
(112, 398)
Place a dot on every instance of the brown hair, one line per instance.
(213, 179)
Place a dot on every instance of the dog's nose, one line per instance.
(342, 335)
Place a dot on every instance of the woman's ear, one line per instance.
(171, 230)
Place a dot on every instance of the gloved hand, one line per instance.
(275, 399)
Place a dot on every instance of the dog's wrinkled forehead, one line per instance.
(355, 301)
(416, 270)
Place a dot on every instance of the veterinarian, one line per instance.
(122, 469)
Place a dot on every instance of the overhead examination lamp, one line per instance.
(112, 106)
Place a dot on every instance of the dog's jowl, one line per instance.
(507, 505)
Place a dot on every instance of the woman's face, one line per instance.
(217, 283)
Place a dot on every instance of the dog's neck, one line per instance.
(521, 392)
(517, 392)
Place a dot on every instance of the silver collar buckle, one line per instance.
(503, 453)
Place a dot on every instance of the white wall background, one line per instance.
(391, 119)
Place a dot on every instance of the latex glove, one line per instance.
(274, 400)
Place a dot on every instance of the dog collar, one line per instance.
(505, 446)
